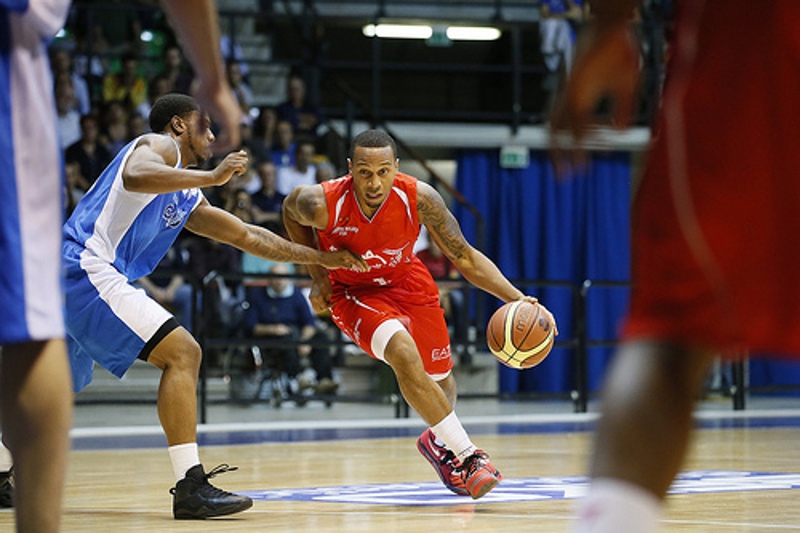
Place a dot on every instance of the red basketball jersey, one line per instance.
(717, 215)
(386, 241)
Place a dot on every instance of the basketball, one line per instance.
(520, 335)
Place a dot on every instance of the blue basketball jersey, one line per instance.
(130, 230)
(30, 174)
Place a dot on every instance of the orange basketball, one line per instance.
(520, 335)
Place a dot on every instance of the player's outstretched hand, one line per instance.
(343, 259)
(234, 163)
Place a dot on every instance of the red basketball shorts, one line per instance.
(370, 317)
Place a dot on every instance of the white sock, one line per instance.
(452, 433)
(6, 462)
(183, 457)
(612, 506)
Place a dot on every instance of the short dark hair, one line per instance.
(168, 106)
(372, 139)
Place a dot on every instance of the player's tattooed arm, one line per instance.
(441, 223)
(443, 228)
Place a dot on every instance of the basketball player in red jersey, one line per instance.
(392, 311)
(714, 224)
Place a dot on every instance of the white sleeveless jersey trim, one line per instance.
(404, 197)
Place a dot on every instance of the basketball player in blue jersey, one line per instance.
(35, 398)
(118, 233)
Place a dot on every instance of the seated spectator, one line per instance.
(88, 152)
(267, 201)
(280, 311)
(69, 120)
(283, 147)
(304, 117)
(241, 205)
(253, 145)
(233, 52)
(158, 87)
(114, 132)
(61, 61)
(248, 179)
(242, 91)
(302, 172)
(175, 70)
(325, 171)
(170, 288)
(222, 296)
(264, 129)
(75, 187)
(126, 86)
(136, 126)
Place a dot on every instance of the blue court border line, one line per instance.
(133, 437)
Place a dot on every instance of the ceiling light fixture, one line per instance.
(398, 31)
(420, 31)
(473, 33)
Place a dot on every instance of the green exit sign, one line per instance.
(514, 157)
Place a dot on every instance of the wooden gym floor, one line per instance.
(328, 470)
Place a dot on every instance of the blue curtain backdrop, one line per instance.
(541, 228)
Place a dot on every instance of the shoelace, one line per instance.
(471, 463)
(220, 469)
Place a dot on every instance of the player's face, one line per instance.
(373, 171)
(199, 136)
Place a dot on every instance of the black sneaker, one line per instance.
(194, 498)
(7, 489)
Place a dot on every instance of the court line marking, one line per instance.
(414, 421)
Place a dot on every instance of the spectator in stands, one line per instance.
(325, 171)
(233, 52)
(241, 205)
(264, 128)
(207, 256)
(114, 133)
(283, 146)
(61, 61)
(158, 87)
(171, 289)
(127, 85)
(88, 152)
(69, 120)
(136, 126)
(302, 172)
(75, 186)
(175, 70)
(557, 31)
(281, 311)
(87, 59)
(305, 117)
(267, 201)
(242, 91)
(247, 180)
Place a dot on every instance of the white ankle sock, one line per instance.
(183, 457)
(612, 506)
(452, 433)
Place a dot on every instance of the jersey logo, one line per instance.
(440, 354)
(344, 230)
(172, 215)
